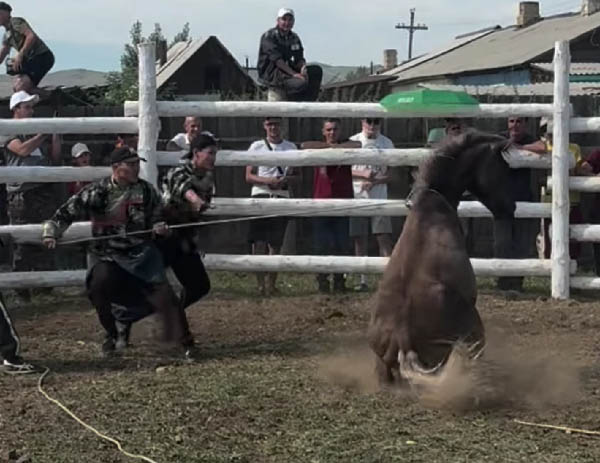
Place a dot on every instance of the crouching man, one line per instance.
(125, 266)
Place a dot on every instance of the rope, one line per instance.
(211, 222)
(559, 428)
(87, 426)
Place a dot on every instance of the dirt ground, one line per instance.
(289, 379)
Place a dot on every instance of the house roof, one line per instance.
(577, 69)
(499, 47)
(541, 89)
(180, 52)
(67, 79)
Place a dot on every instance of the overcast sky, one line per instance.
(91, 33)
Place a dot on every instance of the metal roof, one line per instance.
(542, 89)
(500, 48)
(456, 43)
(576, 68)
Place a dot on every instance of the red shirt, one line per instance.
(594, 161)
(336, 184)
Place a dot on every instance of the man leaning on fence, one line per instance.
(331, 233)
(514, 238)
(281, 64)
(266, 235)
(370, 182)
(30, 202)
(192, 127)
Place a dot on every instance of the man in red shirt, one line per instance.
(331, 233)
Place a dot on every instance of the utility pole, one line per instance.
(411, 30)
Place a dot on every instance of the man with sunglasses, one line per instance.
(370, 182)
(125, 267)
(281, 64)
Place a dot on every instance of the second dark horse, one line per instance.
(426, 299)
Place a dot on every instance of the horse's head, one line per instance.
(472, 161)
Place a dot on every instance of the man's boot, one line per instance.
(123, 333)
(339, 283)
(323, 283)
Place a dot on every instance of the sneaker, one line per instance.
(361, 288)
(17, 367)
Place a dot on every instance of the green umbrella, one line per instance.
(429, 101)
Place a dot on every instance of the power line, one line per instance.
(411, 30)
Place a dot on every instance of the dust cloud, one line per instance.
(506, 376)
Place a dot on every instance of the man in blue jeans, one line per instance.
(331, 233)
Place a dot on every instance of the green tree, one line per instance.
(123, 85)
(182, 36)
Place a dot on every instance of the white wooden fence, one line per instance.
(143, 116)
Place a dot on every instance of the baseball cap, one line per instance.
(124, 154)
(79, 149)
(283, 11)
(22, 97)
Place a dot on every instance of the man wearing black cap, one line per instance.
(33, 59)
(187, 192)
(125, 266)
(281, 62)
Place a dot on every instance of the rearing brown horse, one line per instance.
(426, 300)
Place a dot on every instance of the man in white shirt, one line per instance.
(266, 235)
(192, 127)
(370, 182)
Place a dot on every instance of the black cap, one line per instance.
(124, 154)
(199, 143)
(5, 6)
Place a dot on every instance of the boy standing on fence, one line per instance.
(33, 59)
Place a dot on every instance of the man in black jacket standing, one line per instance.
(281, 62)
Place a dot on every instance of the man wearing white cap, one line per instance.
(30, 202)
(81, 158)
(281, 62)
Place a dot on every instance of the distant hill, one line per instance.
(333, 74)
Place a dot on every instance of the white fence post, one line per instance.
(148, 112)
(560, 173)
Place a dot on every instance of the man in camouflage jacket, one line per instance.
(187, 192)
(124, 264)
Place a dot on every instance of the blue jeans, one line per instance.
(331, 238)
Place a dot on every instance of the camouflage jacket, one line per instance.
(177, 182)
(113, 210)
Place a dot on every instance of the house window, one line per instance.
(212, 78)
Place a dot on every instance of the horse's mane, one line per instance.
(440, 165)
